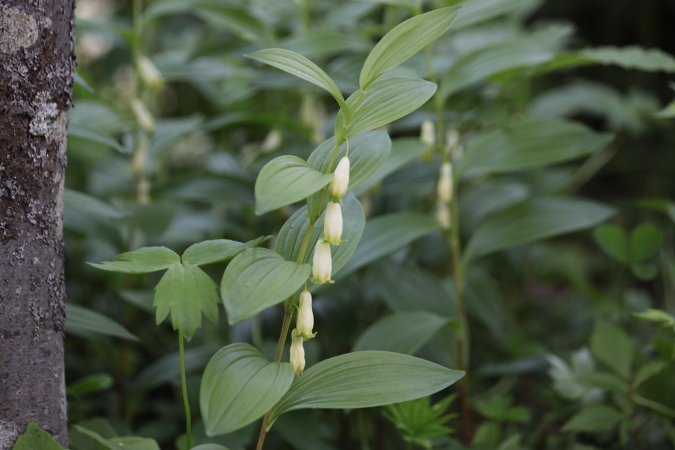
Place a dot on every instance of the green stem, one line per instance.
(462, 335)
(188, 420)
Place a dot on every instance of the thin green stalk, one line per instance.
(188, 420)
(462, 341)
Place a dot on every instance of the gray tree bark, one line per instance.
(36, 73)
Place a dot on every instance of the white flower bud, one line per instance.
(322, 264)
(452, 140)
(149, 73)
(340, 182)
(272, 141)
(428, 133)
(143, 116)
(443, 215)
(444, 187)
(332, 224)
(305, 321)
(297, 353)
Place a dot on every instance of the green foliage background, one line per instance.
(558, 359)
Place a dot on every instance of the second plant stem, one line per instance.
(183, 381)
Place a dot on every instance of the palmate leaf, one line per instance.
(35, 438)
(363, 380)
(405, 40)
(240, 386)
(184, 291)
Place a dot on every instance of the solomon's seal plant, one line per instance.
(239, 385)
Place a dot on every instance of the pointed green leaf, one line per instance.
(293, 232)
(240, 386)
(613, 347)
(208, 252)
(613, 241)
(478, 65)
(593, 418)
(186, 291)
(257, 279)
(142, 260)
(385, 234)
(645, 241)
(534, 220)
(386, 100)
(363, 380)
(80, 319)
(301, 67)
(367, 153)
(286, 180)
(402, 332)
(478, 11)
(650, 60)
(120, 443)
(34, 438)
(405, 40)
(236, 20)
(529, 144)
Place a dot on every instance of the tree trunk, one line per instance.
(36, 72)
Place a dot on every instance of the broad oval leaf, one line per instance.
(479, 64)
(301, 67)
(257, 279)
(529, 144)
(216, 250)
(613, 241)
(142, 260)
(402, 332)
(236, 20)
(293, 232)
(645, 241)
(533, 220)
(367, 153)
(240, 386)
(286, 180)
(385, 234)
(386, 100)
(363, 380)
(80, 319)
(405, 40)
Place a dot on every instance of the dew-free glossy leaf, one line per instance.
(293, 232)
(208, 252)
(477, 11)
(645, 241)
(385, 234)
(405, 40)
(633, 57)
(89, 321)
(257, 279)
(285, 180)
(301, 67)
(533, 220)
(236, 20)
(142, 260)
(479, 64)
(240, 386)
(385, 100)
(367, 153)
(593, 418)
(363, 380)
(186, 291)
(402, 332)
(529, 144)
(35, 438)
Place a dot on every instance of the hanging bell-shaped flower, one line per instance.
(143, 116)
(149, 73)
(443, 215)
(332, 224)
(305, 321)
(322, 264)
(428, 133)
(444, 188)
(297, 353)
(340, 183)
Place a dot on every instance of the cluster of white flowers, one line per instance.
(444, 188)
(322, 263)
